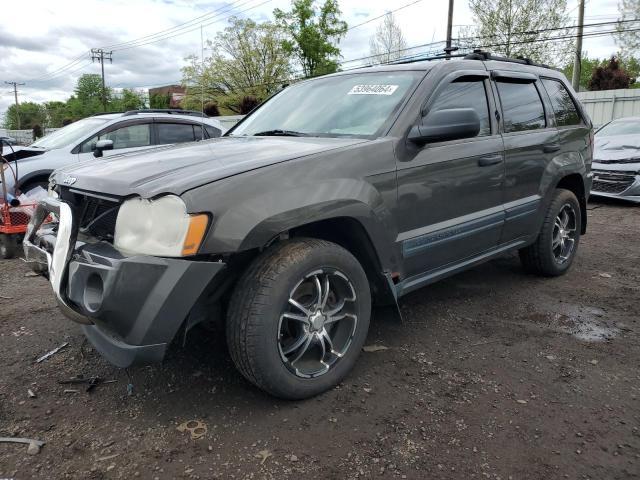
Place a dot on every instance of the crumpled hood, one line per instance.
(176, 169)
(617, 147)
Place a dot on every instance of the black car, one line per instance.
(337, 192)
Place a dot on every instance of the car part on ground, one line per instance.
(311, 216)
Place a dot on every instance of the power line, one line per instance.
(100, 55)
(383, 15)
(178, 27)
(190, 29)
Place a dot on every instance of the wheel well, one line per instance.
(39, 178)
(351, 235)
(575, 184)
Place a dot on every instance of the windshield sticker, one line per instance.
(373, 90)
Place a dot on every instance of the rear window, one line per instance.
(563, 105)
(175, 133)
(521, 106)
(212, 131)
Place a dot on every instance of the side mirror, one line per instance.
(448, 124)
(101, 146)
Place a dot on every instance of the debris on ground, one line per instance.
(31, 394)
(51, 353)
(196, 428)
(92, 382)
(605, 275)
(263, 455)
(34, 445)
(374, 348)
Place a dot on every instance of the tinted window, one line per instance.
(465, 95)
(212, 131)
(521, 106)
(562, 103)
(175, 133)
(125, 137)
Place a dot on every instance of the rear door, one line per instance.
(174, 131)
(450, 192)
(530, 141)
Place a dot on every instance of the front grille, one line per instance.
(96, 215)
(606, 181)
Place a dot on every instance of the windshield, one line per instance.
(343, 105)
(70, 134)
(620, 128)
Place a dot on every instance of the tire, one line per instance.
(8, 246)
(261, 330)
(544, 257)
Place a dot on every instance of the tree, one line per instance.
(247, 59)
(127, 100)
(522, 28)
(160, 101)
(56, 114)
(31, 114)
(87, 98)
(609, 77)
(313, 35)
(388, 41)
(629, 64)
(628, 38)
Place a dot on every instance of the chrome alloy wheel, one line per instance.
(318, 323)
(564, 235)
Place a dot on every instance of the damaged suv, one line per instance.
(336, 193)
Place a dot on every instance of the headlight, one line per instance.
(160, 227)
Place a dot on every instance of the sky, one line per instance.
(41, 40)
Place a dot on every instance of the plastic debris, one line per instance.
(196, 428)
(52, 352)
(34, 445)
(263, 455)
(374, 348)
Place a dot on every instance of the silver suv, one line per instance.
(103, 134)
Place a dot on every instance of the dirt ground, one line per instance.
(493, 374)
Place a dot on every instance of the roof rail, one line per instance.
(482, 55)
(426, 59)
(172, 111)
(104, 113)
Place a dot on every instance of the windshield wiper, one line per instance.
(279, 133)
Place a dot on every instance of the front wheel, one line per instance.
(299, 317)
(555, 248)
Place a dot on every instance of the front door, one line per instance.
(450, 193)
(127, 137)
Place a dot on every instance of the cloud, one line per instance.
(42, 38)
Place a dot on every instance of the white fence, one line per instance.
(606, 105)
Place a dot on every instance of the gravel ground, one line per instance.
(493, 374)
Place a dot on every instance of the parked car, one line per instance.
(616, 160)
(358, 186)
(113, 133)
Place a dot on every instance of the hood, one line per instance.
(176, 169)
(617, 149)
(19, 153)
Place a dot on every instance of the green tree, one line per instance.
(247, 59)
(628, 64)
(521, 28)
(159, 101)
(628, 37)
(587, 66)
(314, 34)
(57, 112)
(31, 114)
(127, 99)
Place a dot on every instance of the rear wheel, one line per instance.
(555, 248)
(8, 246)
(298, 318)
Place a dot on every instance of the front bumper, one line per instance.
(130, 307)
(621, 184)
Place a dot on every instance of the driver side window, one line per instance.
(466, 94)
(126, 137)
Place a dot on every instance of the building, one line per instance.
(172, 93)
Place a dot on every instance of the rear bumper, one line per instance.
(130, 307)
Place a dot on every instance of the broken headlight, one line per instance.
(160, 227)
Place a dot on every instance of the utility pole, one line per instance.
(100, 55)
(15, 94)
(577, 61)
(448, 49)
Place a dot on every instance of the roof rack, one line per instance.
(427, 59)
(172, 111)
(482, 55)
(104, 113)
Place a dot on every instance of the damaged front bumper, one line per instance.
(618, 183)
(130, 308)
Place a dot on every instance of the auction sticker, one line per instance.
(373, 90)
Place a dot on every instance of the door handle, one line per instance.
(489, 160)
(551, 147)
